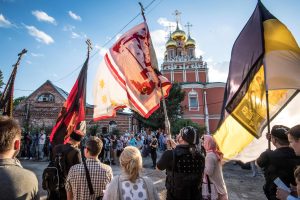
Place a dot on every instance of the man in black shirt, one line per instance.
(70, 154)
(184, 166)
(280, 162)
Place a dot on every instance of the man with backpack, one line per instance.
(64, 157)
(184, 166)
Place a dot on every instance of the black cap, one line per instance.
(189, 135)
(280, 132)
(76, 135)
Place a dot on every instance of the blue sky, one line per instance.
(54, 33)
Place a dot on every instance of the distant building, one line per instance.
(204, 99)
(41, 108)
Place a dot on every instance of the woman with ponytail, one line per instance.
(130, 185)
(213, 170)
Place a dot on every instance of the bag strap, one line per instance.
(208, 184)
(88, 177)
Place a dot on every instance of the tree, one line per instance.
(180, 123)
(174, 109)
(1, 81)
(18, 100)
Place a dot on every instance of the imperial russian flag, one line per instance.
(127, 78)
(265, 57)
(72, 114)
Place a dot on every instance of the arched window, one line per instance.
(193, 100)
(46, 97)
(112, 125)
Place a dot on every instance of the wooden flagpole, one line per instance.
(170, 145)
(10, 83)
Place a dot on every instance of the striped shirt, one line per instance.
(100, 174)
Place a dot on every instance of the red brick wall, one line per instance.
(190, 76)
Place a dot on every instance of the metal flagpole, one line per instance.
(267, 102)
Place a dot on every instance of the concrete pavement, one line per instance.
(240, 183)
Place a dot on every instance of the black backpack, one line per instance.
(55, 174)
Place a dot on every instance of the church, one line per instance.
(203, 99)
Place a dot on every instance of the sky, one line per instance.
(54, 33)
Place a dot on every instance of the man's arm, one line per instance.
(165, 161)
(69, 195)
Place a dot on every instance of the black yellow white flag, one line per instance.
(265, 56)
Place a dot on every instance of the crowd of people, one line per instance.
(193, 166)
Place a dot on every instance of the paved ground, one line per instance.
(240, 183)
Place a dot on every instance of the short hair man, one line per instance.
(184, 166)
(100, 174)
(280, 162)
(71, 155)
(15, 182)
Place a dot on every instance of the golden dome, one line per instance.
(190, 41)
(178, 34)
(171, 42)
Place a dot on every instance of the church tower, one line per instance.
(203, 99)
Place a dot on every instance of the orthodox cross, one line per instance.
(89, 46)
(19, 58)
(188, 25)
(177, 16)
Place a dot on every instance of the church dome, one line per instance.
(171, 42)
(178, 34)
(190, 42)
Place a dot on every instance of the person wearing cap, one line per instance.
(280, 162)
(184, 166)
(70, 153)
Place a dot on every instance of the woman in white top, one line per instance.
(213, 166)
(129, 185)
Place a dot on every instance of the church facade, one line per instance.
(203, 99)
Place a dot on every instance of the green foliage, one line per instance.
(180, 123)
(93, 130)
(18, 100)
(174, 109)
(116, 132)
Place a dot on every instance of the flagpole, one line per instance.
(167, 121)
(267, 102)
(10, 83)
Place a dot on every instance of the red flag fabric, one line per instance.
(127, 76)
(72, 114)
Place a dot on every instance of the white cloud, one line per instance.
(74, 35)
(37, 55)
(118, 36)
(159, 40)
(166, 23)
(102, 50)
(4, 22)
(68, 28)
(43, 17)
(74, 16)
(199, 52)
(218, 71)
(39, 35)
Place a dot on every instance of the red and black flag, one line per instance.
(72, 114)
(7, 97)
(265, 59)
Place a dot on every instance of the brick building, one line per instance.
(204, 99)
(41, 108)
